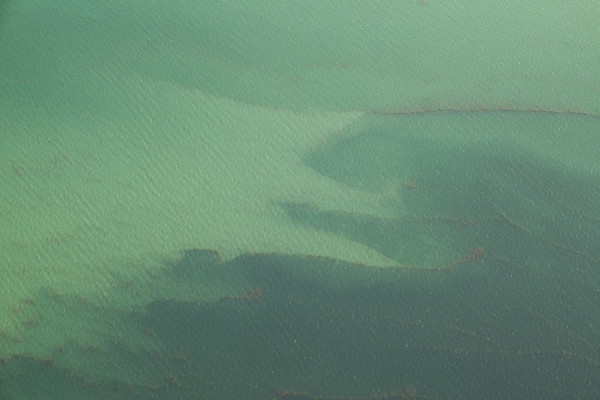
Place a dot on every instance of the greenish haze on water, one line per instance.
(299, 200)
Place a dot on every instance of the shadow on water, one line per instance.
(491, 298)
(330, 329)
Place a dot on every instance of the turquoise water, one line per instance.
(299, 200)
